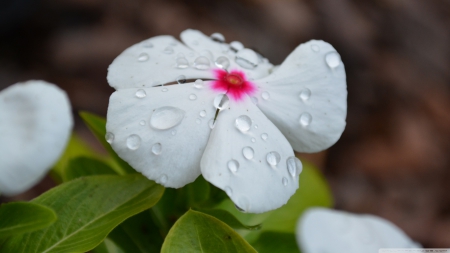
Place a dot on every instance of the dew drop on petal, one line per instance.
(236, 45)
(198, 121)
(198, 84)
(256, 126)
(222, 62)
(228, 191)
(143, 57)
(264, 136)
(273, 158)
(293, 165)
(284, 181)
(305, 119)
(254, 100)
(173, 43)
(174, 132)
(243, 204)
(333, 60)
(109, 137)
(315, 48)
(166, 117)
(239, 209)
(221, 101)
(181, 79)
(195, 42)
(182, 62)
(233, 165)
(248, 152)
(203, 113)
(265, 95)
(253, 140)
(133, 142)
(212, 124)
(147, 44)
(163, 179)
(247, 58)
(305, 94)
(243, 123)
(168, 50)
(207, 54)
(164, 89)
(157, 148)
(202, 63)
(141, 93)
(218, 37)
(192, 97)
(142, 122)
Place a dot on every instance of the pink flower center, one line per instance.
(234, 84)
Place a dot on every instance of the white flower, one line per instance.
(168, 132)
(322, 230)
(35, 125)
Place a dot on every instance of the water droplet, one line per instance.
(221, 101)
(168, 50)
(173, 43)
(157, 148)
(228, 191)
(212, 124)
(147, 44)
(142, 122)
(164, 89)
(284, 181)
(163, 179)
(253, 140)
(247, 58)
(207, 54)
(264, 136)
(243, 204)
(233, 166)
(182, 62)
(273, 158)
(141, 93)
(254, 100)
(239, 209)
(166, 117)
(203, 113)
(293, 165)
(192, 97)
(305, 119)
(143, 57)
(202, 63)
(333, 60)
(198, 121)
(236, 45)
(195, 42)
(133, 142)
(243, 123)
(174, 132)
(218, 37)
(198, 84)
(265, 95)
(305, 94)
(181, 79)
(248, 152)
(222, 62)
(256, 126)
(315, 48)
(109, 137)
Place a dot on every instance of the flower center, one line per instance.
(234, 80)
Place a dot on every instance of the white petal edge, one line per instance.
(306, 97)
(255, 186)
(180, 127)
(35, 125)
(322, 230)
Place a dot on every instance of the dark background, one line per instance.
(393, 158)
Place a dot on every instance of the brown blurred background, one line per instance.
(393, 159)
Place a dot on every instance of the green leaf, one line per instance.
(88, 209)
(229, 219)
(85, 166)
(269, 242)
(97, 125)
(198, 232)
(22, 217)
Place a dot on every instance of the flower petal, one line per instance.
(306, 97)
(237, 158)
(161, 132)
(251, 63)
(35, 125)
(323, 230)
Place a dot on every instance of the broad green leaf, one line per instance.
(138, 234)
(269, 242)
(229, 219)
(85, 166)
(88, 209)
(198, 232)
(97, 125)
(22, 217)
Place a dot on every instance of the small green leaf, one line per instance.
(88, 209)
(22, 217)
(269, 242)
(198, 232)
(229, 219)
(97, 125)
(85, 166)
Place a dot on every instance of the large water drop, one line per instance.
(166, 117)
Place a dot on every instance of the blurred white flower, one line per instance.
(322, 230)
(170, 133)
(35, 125)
